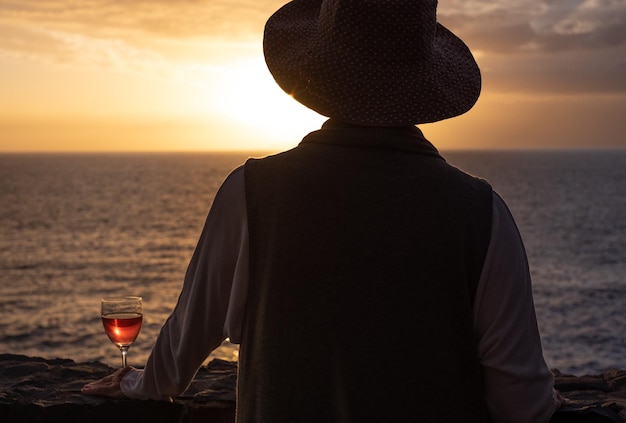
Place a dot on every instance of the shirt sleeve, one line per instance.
(518, 383)
(211, 302)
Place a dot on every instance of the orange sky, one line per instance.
(115, 75)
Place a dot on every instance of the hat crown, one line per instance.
(377, 28)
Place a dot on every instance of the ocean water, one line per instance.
(77, 227)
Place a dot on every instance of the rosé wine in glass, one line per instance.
(122, 318)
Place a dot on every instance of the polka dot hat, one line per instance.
(371, 62)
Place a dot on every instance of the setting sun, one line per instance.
(247, 95)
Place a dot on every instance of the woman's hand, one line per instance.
(561, 400)
(108, 386)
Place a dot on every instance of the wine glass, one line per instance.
(122, 318)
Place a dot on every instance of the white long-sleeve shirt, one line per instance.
(518, 384)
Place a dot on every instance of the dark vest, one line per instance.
(365, 251)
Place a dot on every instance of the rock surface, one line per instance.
(37, 390)
(598, 398)
(34, 390)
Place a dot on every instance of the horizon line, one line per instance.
(274, 151)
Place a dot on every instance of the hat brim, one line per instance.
(444, 84)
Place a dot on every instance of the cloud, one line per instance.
(506, 26)
(546, 46)
(161, 18)
(581, 24)
(568, 72)
(496, 26)
(182, 40)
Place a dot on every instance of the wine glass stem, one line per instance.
(124, 352)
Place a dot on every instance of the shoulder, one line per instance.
(233, 185)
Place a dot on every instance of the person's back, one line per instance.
(365, 278)
(366, 248)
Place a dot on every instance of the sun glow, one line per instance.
(247, 94)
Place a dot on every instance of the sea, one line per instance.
(78, 227)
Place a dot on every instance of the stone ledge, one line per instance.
(594, 398)
(34, 390)
(37, 390)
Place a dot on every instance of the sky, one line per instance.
(180, 75)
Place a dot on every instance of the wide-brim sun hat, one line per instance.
(371, 62)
